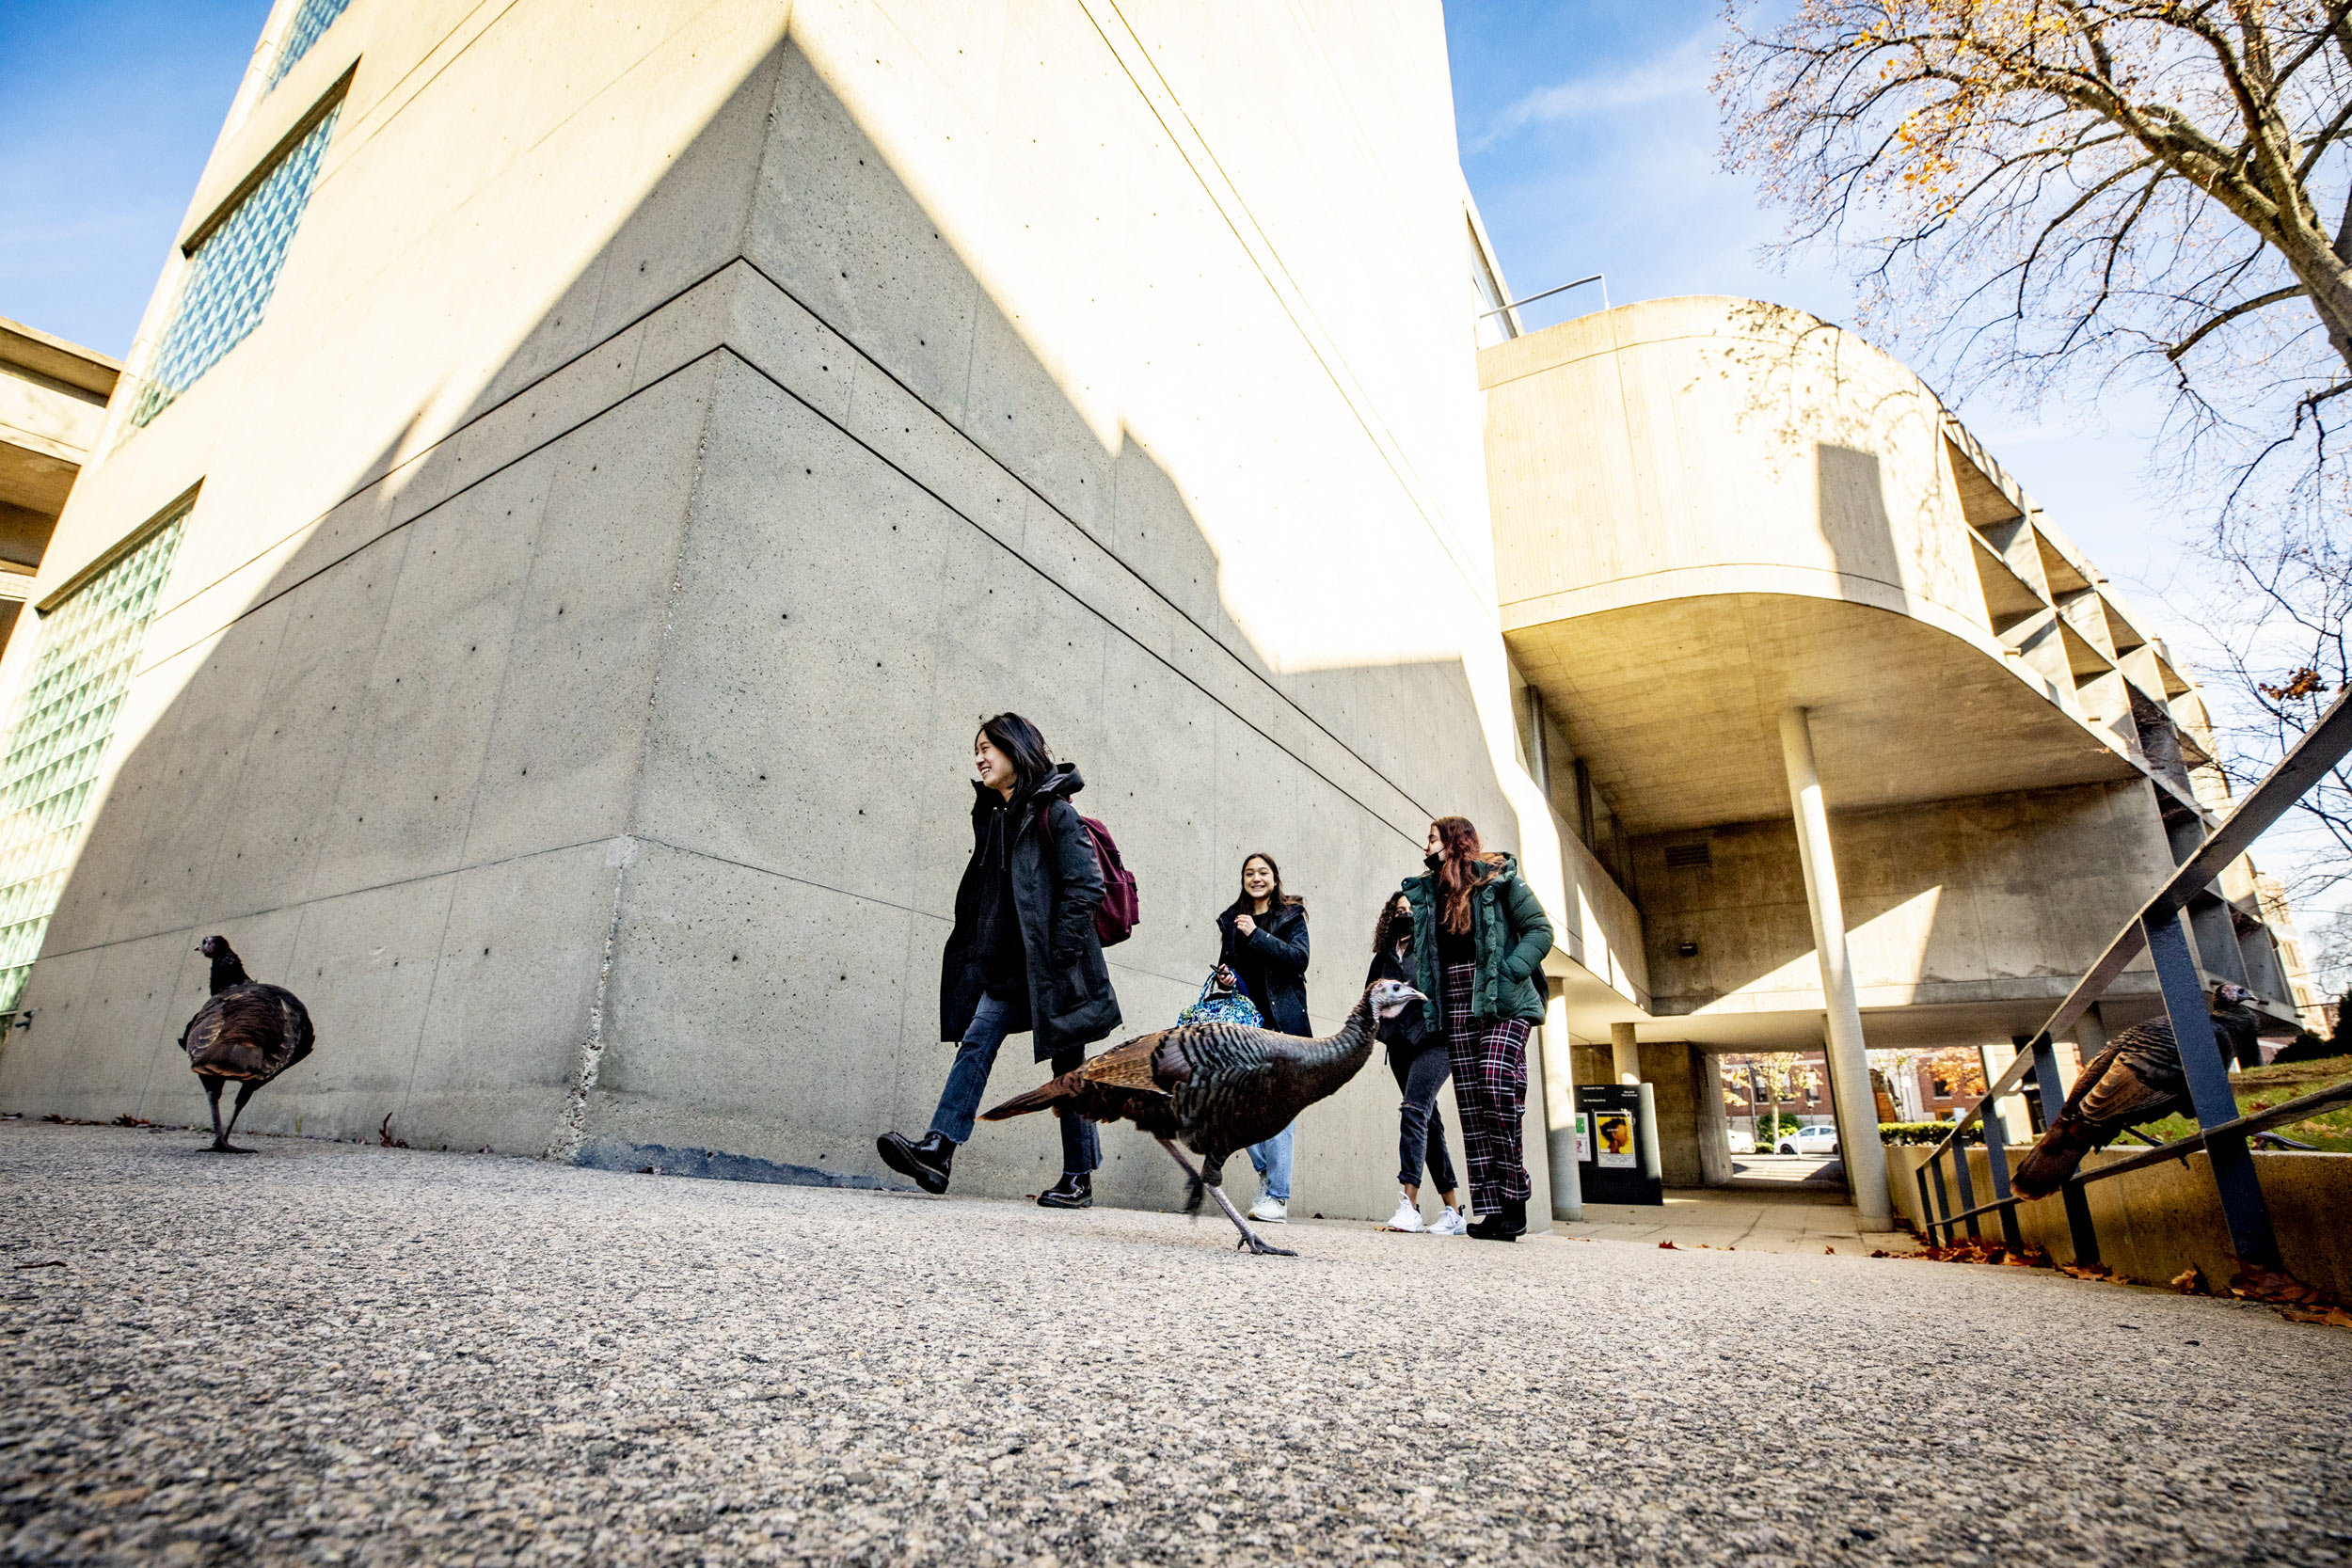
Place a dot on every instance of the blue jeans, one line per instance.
(1271, 1160)
(967, 1080)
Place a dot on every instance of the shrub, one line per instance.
(1926, 1133)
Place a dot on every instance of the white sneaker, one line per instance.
(1448, 1224)
(1407, 1216)
(1268, 1211)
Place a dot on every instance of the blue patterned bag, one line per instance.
(1222, 1003)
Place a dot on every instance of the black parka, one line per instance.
(1279, 947)
(1056, 887)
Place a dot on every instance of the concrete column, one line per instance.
(1626, 1053)
(1707, 1082)
(1559, 1058)
(1849, 1062)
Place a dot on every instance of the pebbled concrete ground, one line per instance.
(328, 1354)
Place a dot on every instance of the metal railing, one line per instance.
(2222, 1131)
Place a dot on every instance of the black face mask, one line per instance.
(1433, 862)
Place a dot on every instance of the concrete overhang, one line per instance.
(1675, 701)
(1709, 510)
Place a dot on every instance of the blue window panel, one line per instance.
(308, 24)
(230, 279)
(88, 647)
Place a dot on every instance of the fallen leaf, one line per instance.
(2335, 1316)
(1668, 1246)
(1831, 1250)
(2190, 1281)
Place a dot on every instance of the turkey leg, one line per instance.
(212, 1092)
(1249, 1237)
(220, 1141)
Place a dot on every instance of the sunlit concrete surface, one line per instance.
(331, 1353)
(1764, 1212)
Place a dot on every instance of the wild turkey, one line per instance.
(247, 1031)
(1218, 1087)
(2136, 1079)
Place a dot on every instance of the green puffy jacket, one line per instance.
(1512, 932)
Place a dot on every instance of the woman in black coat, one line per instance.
(1418, 1058)
(1023, 953)
(1264, 952)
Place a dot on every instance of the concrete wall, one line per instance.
(2154, 1223)
(2004, 897)
(673, 431)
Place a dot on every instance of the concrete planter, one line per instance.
(2157, 1222)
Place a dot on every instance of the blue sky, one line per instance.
(1586, 132)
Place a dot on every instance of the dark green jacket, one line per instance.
(1512, 933)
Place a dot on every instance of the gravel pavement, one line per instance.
(324, 1353)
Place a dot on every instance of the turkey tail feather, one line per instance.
(1044, 1097)
(2053, 1157)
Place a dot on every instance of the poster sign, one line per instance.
(1614, 1139)
(1614, 1130)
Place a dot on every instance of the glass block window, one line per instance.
(81, 675)
(309, 22)
(230, 279)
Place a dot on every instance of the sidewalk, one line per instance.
(1750, 1220)
(335, 1353)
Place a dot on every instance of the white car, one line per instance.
(1741, 1143)
(1809, 1140)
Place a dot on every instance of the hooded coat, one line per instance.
(1057, 886)
(1511, 933)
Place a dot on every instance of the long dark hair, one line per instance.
(1276, 898)
(1462, 864)
(1392, 925)
(1019, 741)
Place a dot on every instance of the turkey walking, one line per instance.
(1218, 1087)
(2136, 1079)
(247, 1031)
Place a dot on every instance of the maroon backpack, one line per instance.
(1121, 912)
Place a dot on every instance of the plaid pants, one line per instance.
(1490, 1085)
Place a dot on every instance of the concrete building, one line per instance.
(585, 475)
(596, 469)
(53, 394)
(1736, 548)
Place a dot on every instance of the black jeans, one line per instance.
(1421, 1133)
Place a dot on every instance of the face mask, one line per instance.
(1433, 862)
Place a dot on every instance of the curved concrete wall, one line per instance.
(1709, 445)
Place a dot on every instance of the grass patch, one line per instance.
(2263, 1087)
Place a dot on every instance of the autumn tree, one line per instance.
(2054, 195)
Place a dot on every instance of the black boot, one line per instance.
(1075, 1190)
(926, 1161)
(1505, 1224)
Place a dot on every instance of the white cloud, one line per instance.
(1680, 72)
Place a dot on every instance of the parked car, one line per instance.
(1742, 1143)
(1809, 1140)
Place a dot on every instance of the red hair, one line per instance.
(1461, 866)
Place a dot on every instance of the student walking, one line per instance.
(1418, 1057)
(1263, 953)
(1479, 935)
(1023, 953)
